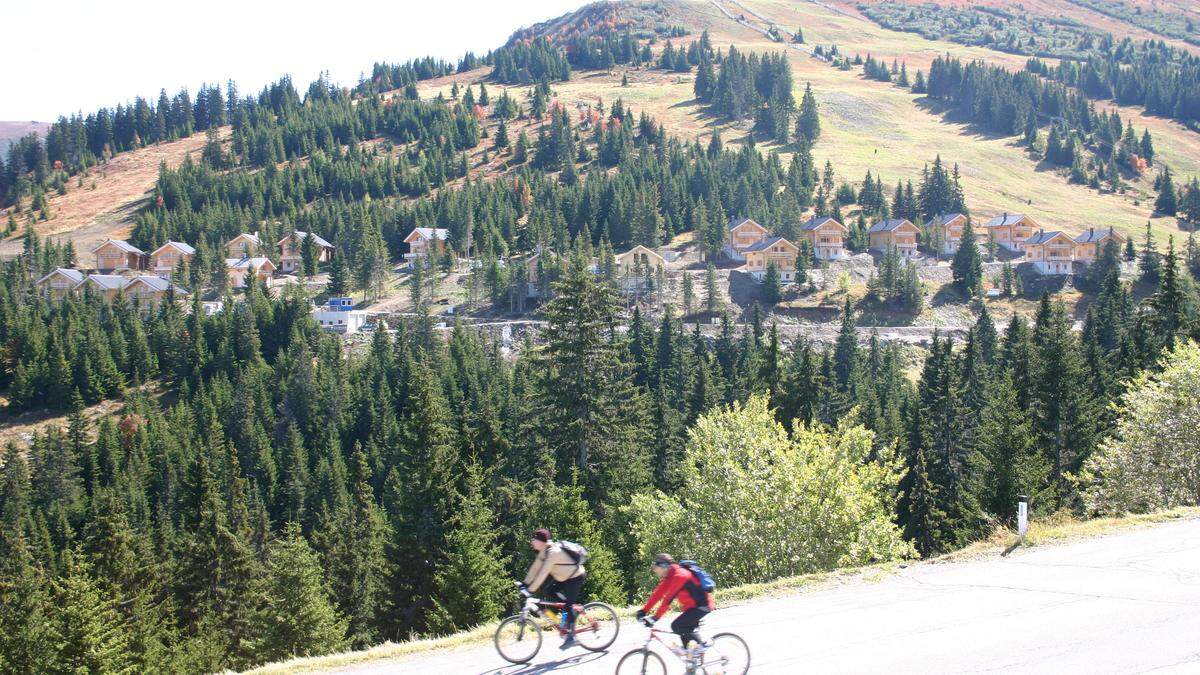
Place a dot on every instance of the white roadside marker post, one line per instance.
(1022, 523)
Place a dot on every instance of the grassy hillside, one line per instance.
(882, 128)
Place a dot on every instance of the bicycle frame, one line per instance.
(543, 621)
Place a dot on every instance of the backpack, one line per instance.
(576, 551)
(704, 582)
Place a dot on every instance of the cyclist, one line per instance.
(679, 584)
(566, 576)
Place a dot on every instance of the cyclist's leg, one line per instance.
(687, 622)
(569, 591)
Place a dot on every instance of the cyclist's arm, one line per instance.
(538, 571)
(664, 592)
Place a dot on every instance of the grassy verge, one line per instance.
(1057, 528)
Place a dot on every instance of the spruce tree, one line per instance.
(1166, 203)
(1149, 264)
(91, 634)
(712, 294)
(339, 275)
(772, 289)
(297, 617)
(966, 266)
(471, 586)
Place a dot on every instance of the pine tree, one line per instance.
(845, 351)
(339, 275)
(297, 617)
(772, 290)
(1166, 203)
(967, 268)
(808, 122)
(472, 585)
(1148, 263)
(91, 634)
(1012, 465)
(712, 294)
(689, 297)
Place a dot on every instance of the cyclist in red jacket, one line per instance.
(679, 584)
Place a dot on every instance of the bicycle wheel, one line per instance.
(728, 655)
(517, 639)
(641, 662)
(597, 626)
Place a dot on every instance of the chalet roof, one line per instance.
(768, 243)
(302, 235)
(156, 284)
(182, 247)
(738, 222)
(429, 233)
(246, 235)
(121, 244)
(1043, 237)
(1004, 220)
(945, 218)
(642, 249)
(255, 262)
(890, 225)
(1095, 235)
(72, 274)
(109, 282)
(815, 222)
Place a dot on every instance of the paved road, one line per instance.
(1123, 603)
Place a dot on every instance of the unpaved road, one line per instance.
(1124, 603)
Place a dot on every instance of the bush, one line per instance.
(757, 504)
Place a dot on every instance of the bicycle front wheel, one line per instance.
(517, 639)
(641, 662)
(728, 655)
(596, 626)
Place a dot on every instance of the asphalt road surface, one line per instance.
(1128, 602)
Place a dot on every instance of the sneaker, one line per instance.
(568, 643)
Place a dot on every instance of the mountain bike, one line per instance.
(519, 637)
(726, 654)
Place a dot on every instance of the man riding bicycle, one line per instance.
(566, 576)
(677, 583)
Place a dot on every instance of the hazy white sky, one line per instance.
(64, 57)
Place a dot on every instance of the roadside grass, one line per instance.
(1053, 529)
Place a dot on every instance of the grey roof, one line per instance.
(110, 282)
(156, 283)
(70, 273)
(945, 218)
(734, 223)
(766, 243)
(252, 237)
(179, 245)
(814, 222)
(256, 262)
(431, 232)
(1093, 235)
(1043, 237)
(889, 225)
(316, 239)
(1006, 219)
(121, 244)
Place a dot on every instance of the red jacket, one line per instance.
(673, 587)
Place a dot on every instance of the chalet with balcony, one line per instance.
(773, 250)
(1090, 244)
(900, 233)
(291, 250)
(424, 240)
(1051, 253)
(117, 254)
(59, 283)
(107, 286)
(245, 245)
(740, 235)
(1011, 230)
(945, 232)
(241, 269)
(827, 237)
(164, 258)
(150, 290)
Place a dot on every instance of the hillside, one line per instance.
(874, 126)
(11, 131)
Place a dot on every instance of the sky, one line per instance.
(77, 55)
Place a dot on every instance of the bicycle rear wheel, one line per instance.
(517, 639)
(728, 655)
(641, 662)
(597, 626)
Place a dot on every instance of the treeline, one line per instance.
(1016, 103)
(527, 62)
(76, 143)
(389, 76)
(1162, 79)
(287, 499)
(1171, 24)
